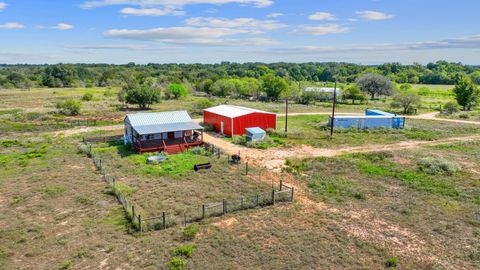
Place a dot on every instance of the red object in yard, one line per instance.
(233, 120)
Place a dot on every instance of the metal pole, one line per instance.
(286, 116)
(333, 110)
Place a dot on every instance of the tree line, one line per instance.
(202, 77)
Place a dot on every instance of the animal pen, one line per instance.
(277, 194)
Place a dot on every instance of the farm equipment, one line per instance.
(203, 166)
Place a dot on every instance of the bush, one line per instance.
(437, 166)
(69, 107)
(177, 263)
(177, 90)
(451, 107)
(185, 251)
(202, 104)
(190, 231)
(391, 262)
(87, 97)
(208, 127)
(464, 116)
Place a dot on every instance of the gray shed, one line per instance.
(255, 134)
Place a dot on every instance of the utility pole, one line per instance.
(286, 115)
(332, 125)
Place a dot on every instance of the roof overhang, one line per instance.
(155, 129)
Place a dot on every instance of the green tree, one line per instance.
(354, 93)
(274, 86)
(375, 85)
(142, 95)
(177, 90)
(466, 93)
(223, 87)
(407, 101)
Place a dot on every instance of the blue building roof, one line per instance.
(378, 112)
(255, 130)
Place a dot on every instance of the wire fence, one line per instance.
(168, 219)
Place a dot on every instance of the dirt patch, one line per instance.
(226, 223)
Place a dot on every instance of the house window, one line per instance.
(149, 137)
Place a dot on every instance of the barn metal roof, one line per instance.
(158, 122)
(233, 111)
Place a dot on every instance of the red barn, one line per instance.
(233, 120)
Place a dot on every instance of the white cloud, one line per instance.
(242, 23)
(319, 30)
(11, 25)
(173, 3)
(3, 5)
(190, 35)
(63, 26)
(153, 11)
(106, 47)
(374, 15)
(470, 42)
(322, 16)
(274, 15)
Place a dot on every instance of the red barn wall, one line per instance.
(215, 121)
(261, 120)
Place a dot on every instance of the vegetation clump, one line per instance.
(437, 166)
(190, 231)
(184, 250)
(69, 107)
(391, 262)
(177, 263)
(267, 142)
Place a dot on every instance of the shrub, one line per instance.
(53, 191)
(391, 262)
(437, 166)
(190, 231)
(451, 107)
(10, 143)
(464, 116)
(69, 107)
(177, 90)
(177, 263)
(124, 189)
(109, 93)
(202, 104)
(87, 97)
(185, 251)
(208, 127)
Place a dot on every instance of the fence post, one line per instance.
(241, 203)
(203, 211)
(256, 200)
(273, 196)
(291, 199)
(164, 220)
(100, 164)
(140, 223)
(113, 183)
(224, 206)
(246, 168)
(133, 213)
(281, 184)
(185, 219)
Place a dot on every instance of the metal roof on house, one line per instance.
(255, 130)
(233, 111)
(158, 122)
(322, 89)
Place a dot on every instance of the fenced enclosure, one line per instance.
(167, 219)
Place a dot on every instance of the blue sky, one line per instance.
(211, 31)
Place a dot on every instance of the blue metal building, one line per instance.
(371, 119)
(255, 134)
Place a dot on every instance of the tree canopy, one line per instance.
(375, 85)
(273, 86)
(177, 90)
(466, 93)
(142, 95)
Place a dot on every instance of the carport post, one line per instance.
(332, 125)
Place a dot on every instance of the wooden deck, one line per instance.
(171, 146)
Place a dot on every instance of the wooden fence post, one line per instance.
(246, 168)
(224, 206)
(256, 200)
(281, 184)
(273, 196)
(185, 219)
(133, 213)
(291, 199)
(241, 203)
(203, 211)
(164, 220)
